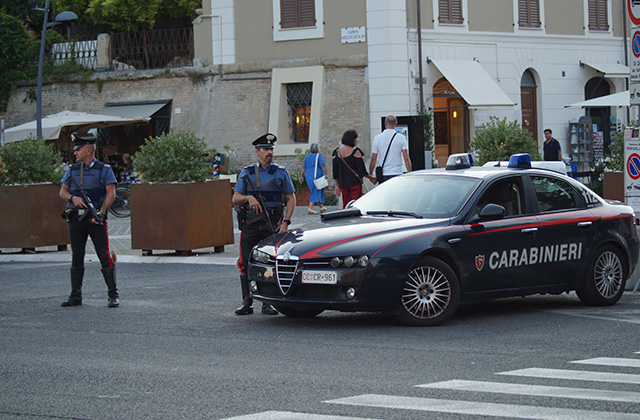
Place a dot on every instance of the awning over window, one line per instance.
(473, 83)
(608, 69)
(144, 109)
(615, 99)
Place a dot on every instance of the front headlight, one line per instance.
(261, 257)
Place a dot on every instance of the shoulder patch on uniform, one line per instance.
(106, 165)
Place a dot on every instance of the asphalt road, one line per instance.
(175, 350)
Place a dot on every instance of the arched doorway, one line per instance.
(528, 93)
(450, 116)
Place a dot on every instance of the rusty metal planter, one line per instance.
(181, 216)
(30, 217)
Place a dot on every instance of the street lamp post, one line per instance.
(62, 17)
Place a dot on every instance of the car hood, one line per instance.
(356, 235)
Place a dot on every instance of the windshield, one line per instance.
(433, 196)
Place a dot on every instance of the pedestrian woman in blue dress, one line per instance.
(314, 167)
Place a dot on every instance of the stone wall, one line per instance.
(230, 109)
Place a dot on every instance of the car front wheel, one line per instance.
(605, 279)
(430, 294)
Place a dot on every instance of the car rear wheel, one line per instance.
(430, 294)
(605, 279)
(297, 313)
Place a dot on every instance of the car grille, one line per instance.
(285, 271)
(303, 292)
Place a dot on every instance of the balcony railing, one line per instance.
(158, 48)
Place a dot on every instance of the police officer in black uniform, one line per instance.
(258, 200)
(89, 187)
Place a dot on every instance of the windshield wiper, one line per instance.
(394, 213)
(338, 214)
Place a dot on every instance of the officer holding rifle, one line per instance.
(258, 200)
(89, 188)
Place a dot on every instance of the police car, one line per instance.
(421, 243)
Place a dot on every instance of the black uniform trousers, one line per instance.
(249, 237)
(79, 231)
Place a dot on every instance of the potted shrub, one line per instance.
(177, 206)
(30, 206)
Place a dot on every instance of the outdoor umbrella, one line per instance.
(615, 99)
(67, 121)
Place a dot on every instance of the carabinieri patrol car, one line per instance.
(420, 243)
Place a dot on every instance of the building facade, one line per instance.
(523, 60)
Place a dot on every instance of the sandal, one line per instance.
(312, 211)
(323, 209)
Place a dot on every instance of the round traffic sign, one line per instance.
(635, 44)
(633, 166)
(633, 6)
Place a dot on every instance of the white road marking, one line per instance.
(479, 408)
(625, 378)
(536, 390)
(288, 415)
(610, 361)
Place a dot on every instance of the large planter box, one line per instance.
(613, 186)
(30, 217)
(181, 216)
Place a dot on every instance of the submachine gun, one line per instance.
(91, 207)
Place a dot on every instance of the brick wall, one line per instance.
(233, 109)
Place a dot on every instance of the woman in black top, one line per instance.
(349, 168)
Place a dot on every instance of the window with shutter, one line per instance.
(297, 13)
(598, 15)
(529, 13)
(450, 11)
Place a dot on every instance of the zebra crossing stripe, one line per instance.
(610, 361)
(289, 415)
(536, 390)
(479, 408)
(624, 378)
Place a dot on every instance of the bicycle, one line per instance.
(120, 206)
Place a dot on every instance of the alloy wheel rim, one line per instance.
(426, 293)
(608, 274)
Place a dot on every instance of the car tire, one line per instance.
(606, 277)
(430, 293)
(297, 313)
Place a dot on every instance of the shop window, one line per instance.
(598, 15)
(299, 111)
(529, 13)
(450, 11)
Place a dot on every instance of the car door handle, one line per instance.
(529, 230)
(584, 224)
(454, 240)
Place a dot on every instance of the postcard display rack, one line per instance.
(581, 135)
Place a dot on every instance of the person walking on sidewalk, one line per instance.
(258, 200)
(89, 188)
(390, 148)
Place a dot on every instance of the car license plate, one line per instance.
(320, 277)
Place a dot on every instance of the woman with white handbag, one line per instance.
(314, 172)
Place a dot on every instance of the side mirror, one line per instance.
(492, 212)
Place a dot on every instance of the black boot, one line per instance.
(109, 275)
(75, 298)
(247, 303)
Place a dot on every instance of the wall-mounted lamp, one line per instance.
(455, 114)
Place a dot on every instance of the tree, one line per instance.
(16, 51)
(499, 139)
(125, 15)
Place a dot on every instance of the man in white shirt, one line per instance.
(391, 162)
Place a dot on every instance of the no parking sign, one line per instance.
(632, 167)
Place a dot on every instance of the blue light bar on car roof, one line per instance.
(520, 160)
(459, 161)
